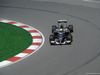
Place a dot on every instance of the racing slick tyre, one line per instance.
(69, 37)
(70, 27)
(53, 28)
(51, 38)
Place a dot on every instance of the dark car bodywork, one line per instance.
(61, 34)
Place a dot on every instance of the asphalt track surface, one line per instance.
(80, 58)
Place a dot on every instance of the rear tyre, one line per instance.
(70, 27)
(53, 28)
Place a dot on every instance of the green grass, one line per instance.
(13, 40)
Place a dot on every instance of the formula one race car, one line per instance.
(61, 34)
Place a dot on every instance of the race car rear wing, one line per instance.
(62, 21)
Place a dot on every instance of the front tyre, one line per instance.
(51, 38)
(69, 37)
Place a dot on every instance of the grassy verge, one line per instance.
(13, 40)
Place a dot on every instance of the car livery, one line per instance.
(61, 34)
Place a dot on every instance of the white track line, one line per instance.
(92, 1)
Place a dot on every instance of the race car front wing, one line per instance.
(65, 42)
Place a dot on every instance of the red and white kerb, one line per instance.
(38, 40)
